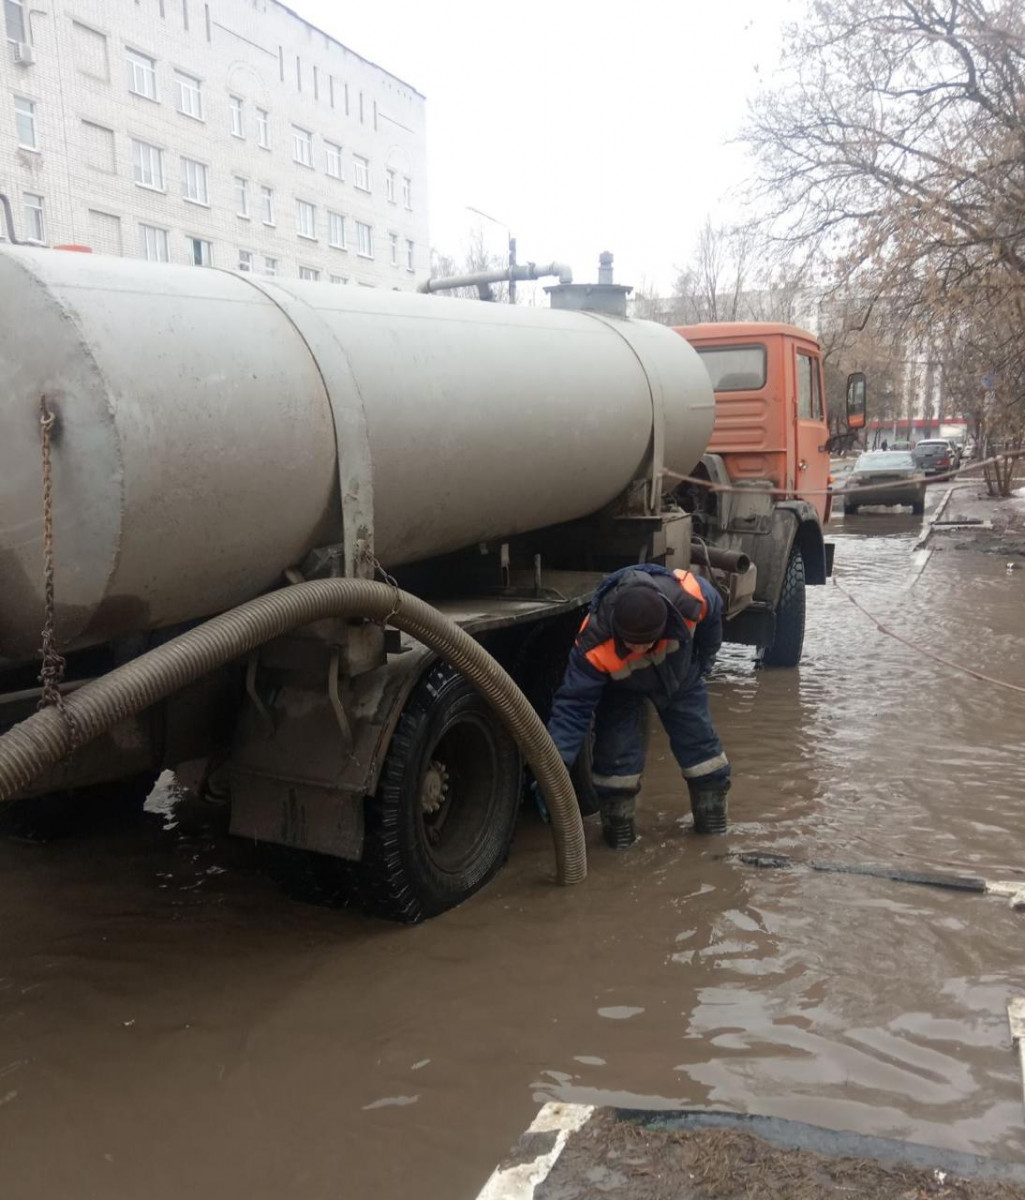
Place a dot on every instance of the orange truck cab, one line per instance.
(770, 433)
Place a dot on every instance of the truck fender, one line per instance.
(809, 540)
(794, 522)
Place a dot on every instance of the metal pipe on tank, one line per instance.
(512, 273)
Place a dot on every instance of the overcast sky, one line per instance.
(578, 126)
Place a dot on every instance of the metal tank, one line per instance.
(213, 428)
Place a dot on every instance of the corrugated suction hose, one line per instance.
(44, 738)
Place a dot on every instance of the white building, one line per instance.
(230, 133)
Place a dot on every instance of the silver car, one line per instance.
(887, 473)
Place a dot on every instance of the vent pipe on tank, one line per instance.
(602, 297)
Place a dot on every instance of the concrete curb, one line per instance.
(927, 533)
(535, 1153)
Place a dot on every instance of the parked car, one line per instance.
(934, 456)
(888, 473)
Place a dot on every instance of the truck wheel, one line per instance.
(443, 817)
(788, 641)
(918, 508)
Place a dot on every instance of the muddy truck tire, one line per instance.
(788, 640)
(442, 820)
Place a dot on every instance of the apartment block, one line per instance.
(231, 134)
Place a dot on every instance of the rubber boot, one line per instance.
(617, 822)
(708, 804)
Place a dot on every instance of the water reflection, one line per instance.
(274, 1050)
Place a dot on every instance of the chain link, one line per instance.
(51, 674)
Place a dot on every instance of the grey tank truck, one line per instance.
(219, 440)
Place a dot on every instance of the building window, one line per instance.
(90, 49)
(190, 95)
(241, 197)
(245, 260)
(267, 204)
(393, 241)
(147, 165)
(25, 121)
(305, 219)
(302, 146)
(142, 75)
(98, 144)
(389, 186)
(17, 27)
(410, 250)
(35, 230)
(336, 230)
(263, 128)
(202, 252)
(361, 173)
(338, 279)
(105, 233)
(310, 274)
(194, 182)
(333, 155)
(154, 244)
(407, 192)
(235, 108)
(270, 266)
(364, 240)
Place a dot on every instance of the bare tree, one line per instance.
(711, 286)
(477, 258)
(648, 305)
(896, 143)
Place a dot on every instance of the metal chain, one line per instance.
(51, 674)
(393, 583)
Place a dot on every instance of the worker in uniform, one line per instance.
(650, 634)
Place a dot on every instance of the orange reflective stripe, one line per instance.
(586, 622)
(604, 657)
(690, 585)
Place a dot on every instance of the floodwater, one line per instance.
(172, 1025)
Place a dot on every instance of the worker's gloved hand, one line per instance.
(707, 666)
(538, 799)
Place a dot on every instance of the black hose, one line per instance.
(940, 879)
(45, 738)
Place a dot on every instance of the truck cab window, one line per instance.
(734, 368)
(807, 387)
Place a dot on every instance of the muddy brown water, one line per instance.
(172, 1025)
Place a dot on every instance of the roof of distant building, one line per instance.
(370, 63)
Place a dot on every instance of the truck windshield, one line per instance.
(735, 368)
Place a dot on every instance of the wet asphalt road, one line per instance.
(172, 1025)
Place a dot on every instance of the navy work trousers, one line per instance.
(620, 738)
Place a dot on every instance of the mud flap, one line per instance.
(755, 626)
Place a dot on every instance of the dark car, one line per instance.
(887, 473)
(935, 456)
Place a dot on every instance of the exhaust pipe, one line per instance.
(726, 560)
